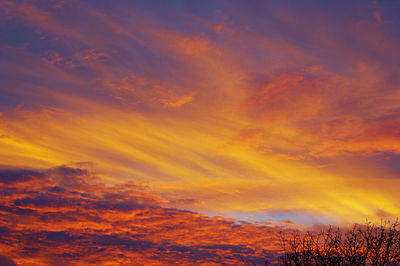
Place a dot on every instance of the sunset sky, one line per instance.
(195, 129)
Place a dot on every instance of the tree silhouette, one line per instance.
(367, 244)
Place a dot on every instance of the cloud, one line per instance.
(271, 109)
(177, 101)
(317, 113)
(90, 222)
(15, 176)
(6, 261)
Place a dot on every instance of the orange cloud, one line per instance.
(68, 217)
(195, 46)
(272, 114)
(177, 101)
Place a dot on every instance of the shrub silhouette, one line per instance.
(367, 244)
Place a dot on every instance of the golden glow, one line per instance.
(221, 126)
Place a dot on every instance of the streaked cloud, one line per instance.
(265, 111)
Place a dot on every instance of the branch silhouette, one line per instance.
(366, 244)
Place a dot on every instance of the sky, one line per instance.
(194, 131)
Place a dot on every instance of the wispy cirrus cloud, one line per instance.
(241, 109)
